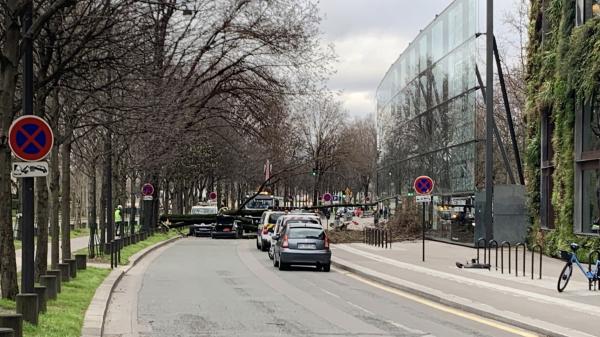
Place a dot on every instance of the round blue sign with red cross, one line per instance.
(423, 185)
(30, 138)
(327, 197)
(147, 189)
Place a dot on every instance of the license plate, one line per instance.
(307, 246)
(226, 229)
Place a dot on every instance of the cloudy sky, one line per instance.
(369, 35)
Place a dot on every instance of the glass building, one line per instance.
(431, 119)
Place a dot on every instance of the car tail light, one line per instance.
(285, 243)
(326, 242)
(265, 230)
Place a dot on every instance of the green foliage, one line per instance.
(563, 71)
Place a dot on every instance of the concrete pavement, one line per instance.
(76, 244)
(519, 300)
(203, 287)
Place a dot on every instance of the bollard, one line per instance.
(502, 245)
(495, 244)
(590, 255)
(12, 321)
(27, 305)
(49, 281)
(58, 277)
(365, 235)
(519, 244)
(385, 238)
(81, 260)
(112, 256)
(7, 332)
(532, 257)
(120, 246)
(72, 267)
(484, 249)
(65, 273)
(41, 297)
(391, 238)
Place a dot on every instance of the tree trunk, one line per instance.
(54, 206)
(102, 224)
(92, 211)
(66, 200)
(41, 210)
(8, 83)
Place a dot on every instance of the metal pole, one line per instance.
(423, 230)
(27, 207)
(489, 121)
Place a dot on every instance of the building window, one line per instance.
(590, 197)
(585, 10)
(591, 126)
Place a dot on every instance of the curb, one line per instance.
(443, 301)
(93, 321)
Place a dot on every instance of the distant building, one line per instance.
(431, 121)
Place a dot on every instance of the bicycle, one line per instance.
(567, 271)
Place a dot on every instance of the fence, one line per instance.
(378, 237)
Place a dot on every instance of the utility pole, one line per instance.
(489, 123)
(27, 304)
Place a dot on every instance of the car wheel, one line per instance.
(270, 255)
(326, 267)
(275, 263)
(257, 245)
(282, 266)
(263, 246)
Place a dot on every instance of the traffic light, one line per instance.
(411, 194)
(314, 172)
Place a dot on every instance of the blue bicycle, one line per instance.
(567, 271)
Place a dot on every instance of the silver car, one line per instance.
(302, 244)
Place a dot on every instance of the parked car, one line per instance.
(226, 227)
(201, 229)
(265, 229)
(295, 217)
(302, 244)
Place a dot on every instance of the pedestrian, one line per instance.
(385, 212)
(119, 220)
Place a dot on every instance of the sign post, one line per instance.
(147, 196)
(423, 186)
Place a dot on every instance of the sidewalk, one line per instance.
(531, 304)
(76, 244)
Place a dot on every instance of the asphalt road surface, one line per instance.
(204, 287)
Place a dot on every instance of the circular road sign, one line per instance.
(147, 189)
(423, 185)
(212, 195)
(327, 197)
(30, 138)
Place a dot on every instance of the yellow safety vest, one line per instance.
(118, 215)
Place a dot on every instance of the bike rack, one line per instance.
(519, 244)
(484, 249)
(532, 259)
(590, 255)
(502, 245)
(495, 244)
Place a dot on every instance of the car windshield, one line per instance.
(204, 210)
(306, 233)
(273, 217)
(260, 204)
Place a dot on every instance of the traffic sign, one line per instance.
(423, 185)
(327, 197)
(423, 198)
(29, 169)
(212, 195)
(147, 190)
(148, 198)
(30, 138)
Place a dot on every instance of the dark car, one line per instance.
(202, 229)
(226, 227)
(302, 244)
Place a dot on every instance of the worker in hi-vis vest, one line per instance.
(119, 220)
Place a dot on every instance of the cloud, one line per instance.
(358, 103)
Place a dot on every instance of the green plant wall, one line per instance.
(563, 72)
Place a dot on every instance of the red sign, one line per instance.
(423, 185)
(212, 195)
(327, 197)
(30, 138)
(147, 189)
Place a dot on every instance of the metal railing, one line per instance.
(505, 245)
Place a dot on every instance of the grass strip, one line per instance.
(128, 251)
(64, 317)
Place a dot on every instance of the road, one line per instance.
(203, 287)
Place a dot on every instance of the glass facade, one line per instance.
(430, 116)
